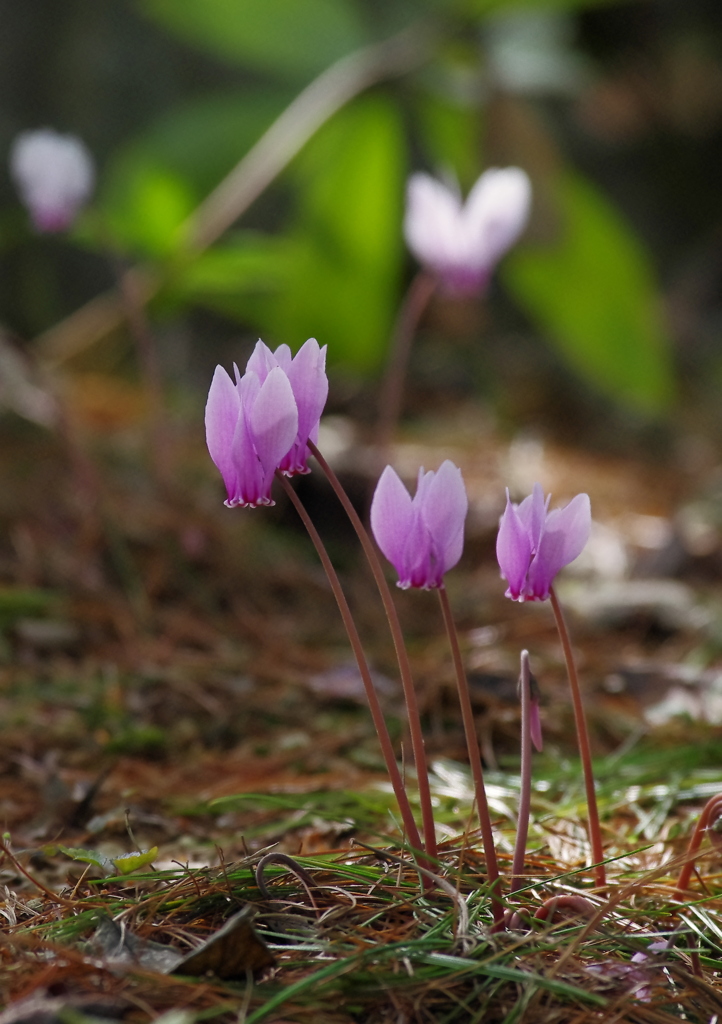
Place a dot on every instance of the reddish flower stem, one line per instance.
(412, 309)
(522, 828)
(711, 810)
(472, 746)
(379, 721)
(595, 834)
(412, 707)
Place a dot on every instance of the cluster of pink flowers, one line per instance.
(262, 422)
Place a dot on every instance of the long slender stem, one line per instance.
(595, 834)
(412, 707)
(472, 746)
(392, 387)
(387, 749)
(522, 828)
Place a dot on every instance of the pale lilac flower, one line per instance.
(306, 372)
(462, 243)
(250, 427)
(533, 544)
(54, 175)
(423, 536)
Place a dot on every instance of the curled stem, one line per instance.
(595, 834)
(472, 746)
(522, 828)
(379, 721)
(412, 707)
(711, 811)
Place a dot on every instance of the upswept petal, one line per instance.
(565, 534)
(261, 361)
(283, 357)
(432, 221)
(307, 374)
(532, 512)
(575, 522)
(391, 518)
(223, 410)
(273, 419)
(444, 506)
(513, 551)
(497, 210)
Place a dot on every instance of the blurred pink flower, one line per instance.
(461, 244)
(306, 372)
(423, 536)
(54, 175)
(250, 427)
(533, 544)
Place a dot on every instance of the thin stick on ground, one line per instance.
(472, 746)
(595, 834)
(412, 707)
(522, 828)
(412, 309)
(379, 721)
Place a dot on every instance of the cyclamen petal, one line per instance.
(421, 537)
(461, 244)
(54, 175)
(222, 411)
(513, 550)
(444, 511)
(531, 550)
(306, 372)
(250, 426)
(274, 419)
(391, 516)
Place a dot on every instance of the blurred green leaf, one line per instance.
(203, 140)
(154, 183)
(228, 276)
(145, 205)
(343, 277)
(484, 7)
(18, 602)
(451, 136)
(594, 292)
(290, 38)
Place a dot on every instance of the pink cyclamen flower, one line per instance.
(306, 372)
(250, 427)
(462, 243)
(533, 544)
(54, 175)
(423, 536)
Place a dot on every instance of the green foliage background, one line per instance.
(321, 252)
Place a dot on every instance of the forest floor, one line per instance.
(178, 703)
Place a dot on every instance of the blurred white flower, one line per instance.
(462, 243)
(54, 175)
